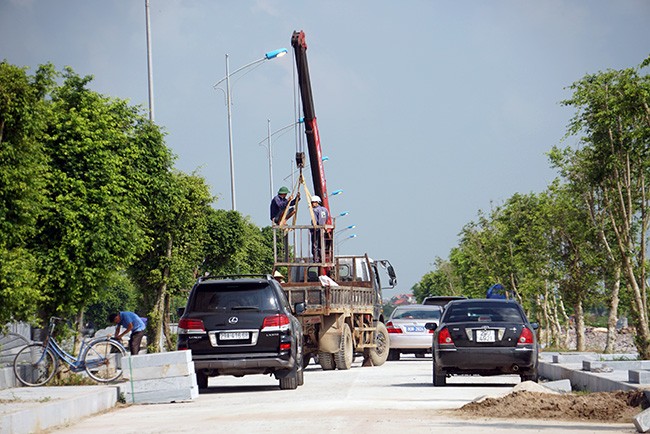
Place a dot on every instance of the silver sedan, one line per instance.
(406, 329)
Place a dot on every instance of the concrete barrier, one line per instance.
(562, 386)
(159, 377)
(574, 357)
(616, 365)
(642, 421)
(8, 378)
(584, 380)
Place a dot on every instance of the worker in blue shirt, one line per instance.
(321, 216)
(280, 202)
(131, 323)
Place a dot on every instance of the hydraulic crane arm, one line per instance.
(311, 127)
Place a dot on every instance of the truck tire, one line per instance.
(305, 360)
(379, 354)
(345, 354)
(326, 361)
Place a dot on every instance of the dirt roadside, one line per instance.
(611, 407)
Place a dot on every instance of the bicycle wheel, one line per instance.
(34, 365)
(103, 360)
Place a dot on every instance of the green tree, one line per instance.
(236, 245)
(613, 125)
(578, 258)
(91, 225)
(119, 293)
(442, 280)
(177, 225)
(23, 169)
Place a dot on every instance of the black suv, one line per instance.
(241, 325)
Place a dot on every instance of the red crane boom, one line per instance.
(311, 126)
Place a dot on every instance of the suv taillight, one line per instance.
(190, 326)
(444, 338)
(526, 337)
(275, 323)
(391, 328)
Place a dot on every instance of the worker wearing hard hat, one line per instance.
(321, 215)
(280, 202)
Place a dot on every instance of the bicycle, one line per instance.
(37, 363)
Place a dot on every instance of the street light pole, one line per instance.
(230, 147)
(268, 136)
(268, 56)
(149, 63)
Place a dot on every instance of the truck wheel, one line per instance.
(345, 354)
(326, 361)
(379, 354)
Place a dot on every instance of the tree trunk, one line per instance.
(158, 312)
(567, 321)
(613, 312)
(556, 319)
(78, 337)
(580, 326)
(642, 340)
(546, 326)
(169, 343)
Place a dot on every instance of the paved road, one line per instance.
(396, 397)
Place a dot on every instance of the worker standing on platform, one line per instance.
(321, 215)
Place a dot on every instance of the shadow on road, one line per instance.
(238, 389)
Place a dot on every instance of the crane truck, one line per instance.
(342, 294)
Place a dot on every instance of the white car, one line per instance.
(406, 330)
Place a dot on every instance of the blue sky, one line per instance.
(428, 111)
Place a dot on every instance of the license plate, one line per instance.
(233, 336)
(485, 336)
(412, 329)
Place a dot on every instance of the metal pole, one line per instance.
(232, 161)
(268, 132)
(149, 63)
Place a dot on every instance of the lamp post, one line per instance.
(268, 56)
(149, 63)
(269, 135)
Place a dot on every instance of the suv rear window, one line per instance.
(483, 312)
(232, 297)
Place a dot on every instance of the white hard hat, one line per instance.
(315, 199)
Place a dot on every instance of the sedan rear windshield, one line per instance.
(483, 312)
(233, 297)
(417, 314)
